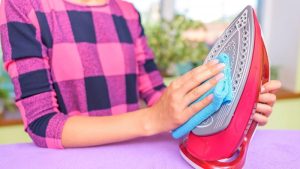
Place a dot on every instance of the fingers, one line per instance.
(267, 98)
(199, 69)
(187, 76)
(264, 109)
(271, 86)
(195, 108)
(266, 102)
(196, 77)
(202, 89)
(261, 119)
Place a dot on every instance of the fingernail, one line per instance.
(220, 76)
(221, 65)
(210, 96)
(215, 61)
(263, 89)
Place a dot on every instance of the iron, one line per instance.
(222, 140)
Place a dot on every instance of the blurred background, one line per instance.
(181, 34)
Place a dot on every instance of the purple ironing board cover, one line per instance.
(269, 149)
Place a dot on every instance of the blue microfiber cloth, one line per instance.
(222, 94)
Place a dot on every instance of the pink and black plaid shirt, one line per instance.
(68, 59)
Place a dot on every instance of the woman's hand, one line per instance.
(173, 108)
(266, 100)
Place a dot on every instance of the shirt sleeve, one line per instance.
(26, 61)
(150, 81)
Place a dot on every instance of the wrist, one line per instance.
(150, 125)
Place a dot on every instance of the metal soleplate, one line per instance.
(237, 41)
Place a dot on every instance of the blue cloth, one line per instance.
(222, 94)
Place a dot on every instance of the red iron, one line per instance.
(222, 140)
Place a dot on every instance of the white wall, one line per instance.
(281, 27)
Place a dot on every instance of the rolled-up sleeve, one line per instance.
(26, 61)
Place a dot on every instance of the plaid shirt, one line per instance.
(68, 59)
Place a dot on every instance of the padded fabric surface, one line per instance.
(268, 149)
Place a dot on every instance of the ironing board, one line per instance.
(269, 149)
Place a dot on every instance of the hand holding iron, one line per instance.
(173, 108)
(266, 100)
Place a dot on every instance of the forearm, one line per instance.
(84, 131)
